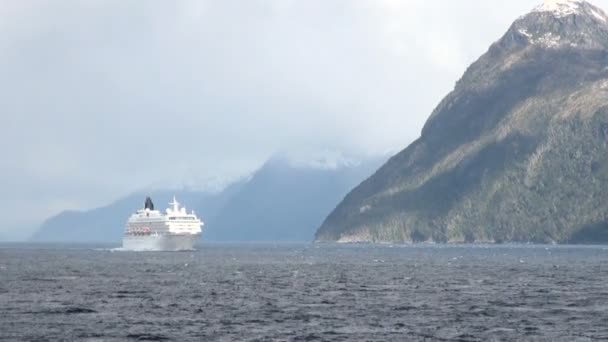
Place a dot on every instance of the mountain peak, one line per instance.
(522, 127)
(558, 24)
(565, 8)
(560, 8)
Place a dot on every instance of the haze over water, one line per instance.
(304, 293)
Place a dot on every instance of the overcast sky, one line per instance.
(101, 98)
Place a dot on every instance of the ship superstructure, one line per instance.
(150, 229)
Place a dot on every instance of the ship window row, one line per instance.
(182, 218)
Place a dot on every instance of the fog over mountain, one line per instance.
(279, 202)
(102, 98)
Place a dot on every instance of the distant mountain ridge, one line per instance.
(518, 151)
(280, 202)
(106, 224)
(283, 202)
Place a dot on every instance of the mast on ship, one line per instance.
(175, 205)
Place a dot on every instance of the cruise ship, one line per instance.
(151, 230)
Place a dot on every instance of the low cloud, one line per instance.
(105, 97)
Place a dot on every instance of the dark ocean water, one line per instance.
(304, 293)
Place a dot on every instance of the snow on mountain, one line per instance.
(558, 24)
(560, 8)
(564, 8)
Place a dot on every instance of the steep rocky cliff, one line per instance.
(518, 151)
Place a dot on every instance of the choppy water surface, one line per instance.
(305, 293)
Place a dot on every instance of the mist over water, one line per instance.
(304, 293)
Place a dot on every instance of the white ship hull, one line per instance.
(165, 242)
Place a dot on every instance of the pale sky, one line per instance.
(104, 97)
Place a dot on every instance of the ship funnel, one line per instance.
(148, 204)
